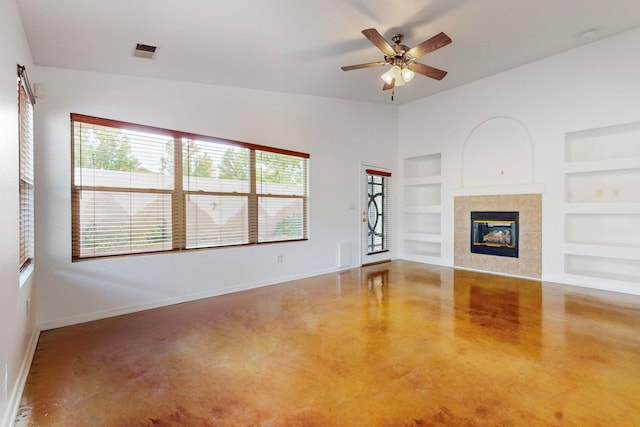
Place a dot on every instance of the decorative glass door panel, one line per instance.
(375, 216)
(376, 241)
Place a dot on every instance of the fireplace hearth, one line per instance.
(495, 233)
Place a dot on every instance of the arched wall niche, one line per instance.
(498, 152)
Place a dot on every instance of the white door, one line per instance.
(374, 215)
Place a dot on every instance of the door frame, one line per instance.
(378, 257)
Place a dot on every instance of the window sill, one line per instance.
(25, 275)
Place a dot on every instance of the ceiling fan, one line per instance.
(402, 59)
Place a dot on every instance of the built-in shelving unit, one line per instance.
(422, 208)
(602, 203)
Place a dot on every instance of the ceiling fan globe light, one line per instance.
(407, 75)
(387, 77)
(396, 72)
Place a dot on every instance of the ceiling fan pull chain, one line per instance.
(393, 92)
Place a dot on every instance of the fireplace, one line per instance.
(529, 238)
(495, 233)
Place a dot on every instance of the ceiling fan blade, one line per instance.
(388, 86)
(435, 42)
(426, 70)
(367, 65)
(374, 37)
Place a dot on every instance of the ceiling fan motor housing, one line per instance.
(400, 50)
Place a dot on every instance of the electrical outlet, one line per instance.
(279, 259)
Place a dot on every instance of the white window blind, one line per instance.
(143, 189)
(217, 188)
(26, 184)
(281, 190)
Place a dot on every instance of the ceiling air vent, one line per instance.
(144, 51)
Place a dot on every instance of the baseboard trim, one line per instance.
(18, 388)
(594, 283)
(90, 317)
(384, 261)
(535, 279)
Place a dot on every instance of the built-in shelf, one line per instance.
(608, 229)
(602, 203)
(423, 166)
(422, 195)
(595, 250)
(612, 142)
(603, 186)
(603, 267)
(423, 237)
(422, 223)
(603, 165)
(422, 208)
(602, 208)
(423, 180)
(414, 250)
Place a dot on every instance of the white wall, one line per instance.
(593, 86)
(339, 135)
(17, 326)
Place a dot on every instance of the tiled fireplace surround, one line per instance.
(529, 261)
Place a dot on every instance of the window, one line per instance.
(26, 101)
(140, 189)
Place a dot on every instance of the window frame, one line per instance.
(180, 191)
(26, 168)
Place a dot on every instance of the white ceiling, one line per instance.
(298, 46)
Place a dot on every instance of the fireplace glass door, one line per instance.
(495, 233)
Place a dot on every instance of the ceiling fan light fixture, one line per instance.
(407, 75)
(387, 77)
(395, 70)
(393, 73)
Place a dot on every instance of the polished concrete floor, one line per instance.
(396, 344)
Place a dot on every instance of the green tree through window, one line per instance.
(235, 165)
(107, 150)
(270, 167)
(195, 162)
